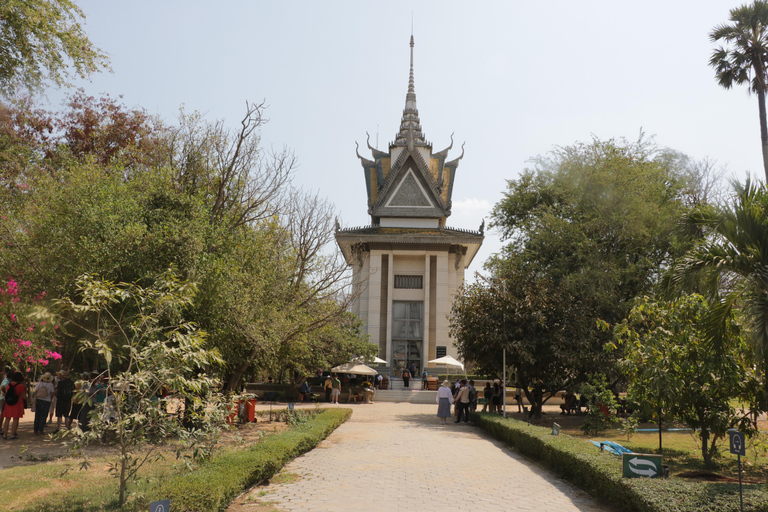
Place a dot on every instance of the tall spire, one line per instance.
(410, 126)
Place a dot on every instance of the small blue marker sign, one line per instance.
(738, 443)
(160, 506)
(290, 406)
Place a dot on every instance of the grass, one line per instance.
(682, 452)
(61, 486)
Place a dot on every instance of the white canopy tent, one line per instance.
(354, 368)
(448, 361)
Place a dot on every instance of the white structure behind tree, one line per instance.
(408, 264)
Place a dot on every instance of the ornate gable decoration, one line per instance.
(409, 194)
(410, 180)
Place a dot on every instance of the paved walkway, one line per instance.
(396, 456)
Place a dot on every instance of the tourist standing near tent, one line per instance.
(335, 389)
(444, 400)
(328, 388)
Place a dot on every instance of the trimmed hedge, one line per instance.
(599, 473)
(216, 483)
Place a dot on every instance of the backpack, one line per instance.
(42, 392)
(11, 397)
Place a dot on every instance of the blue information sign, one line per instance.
(160, 506)
(738, 443)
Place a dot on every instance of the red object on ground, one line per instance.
(250, 410)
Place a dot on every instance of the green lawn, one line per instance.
(683, 453)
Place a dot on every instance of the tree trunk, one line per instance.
(763, 129)
(661, 448)
(706, 452)
(234, 378)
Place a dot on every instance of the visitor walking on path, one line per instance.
(44, 393)
(444, 401)
(406, 378)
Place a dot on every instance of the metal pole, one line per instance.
(741, 496)
(504, 380)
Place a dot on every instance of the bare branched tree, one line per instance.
(243, 182)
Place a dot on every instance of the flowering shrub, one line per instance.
(27, 330)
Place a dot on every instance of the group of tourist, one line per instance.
(463, 396)
(50, 396)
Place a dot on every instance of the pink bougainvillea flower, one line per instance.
(30, 329)
(13, 317)
(55, 326)
(42, 323)
(25, 343)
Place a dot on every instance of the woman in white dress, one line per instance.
(444, 400)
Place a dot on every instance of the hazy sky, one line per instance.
(512, 79)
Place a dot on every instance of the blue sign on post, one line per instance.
(160, 506)
(738, 443)
(290, 406)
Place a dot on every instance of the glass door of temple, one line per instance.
(407, 336)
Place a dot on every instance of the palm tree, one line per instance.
(732, 264)
(744, 58)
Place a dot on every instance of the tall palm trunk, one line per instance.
(763, 129)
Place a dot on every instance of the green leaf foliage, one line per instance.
(673, 372)
(600, 473)
(39, 41)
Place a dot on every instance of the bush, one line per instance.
(216, 483)
(600, 473)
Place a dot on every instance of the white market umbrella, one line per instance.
(354, 368)
(447, 361)
(375, 360)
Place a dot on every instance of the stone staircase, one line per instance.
(397, 393)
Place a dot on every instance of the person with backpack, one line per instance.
(44, 393)
(406, 378)
(64, 392)
(14, 405)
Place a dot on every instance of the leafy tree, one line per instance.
(113, 192)
(39, 40)
(729, 264)
(544, 329)
(149, 348)
(602, 411)
(744, 57)
(589, 228)
(672, 370)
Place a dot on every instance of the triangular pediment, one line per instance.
(409, 193)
